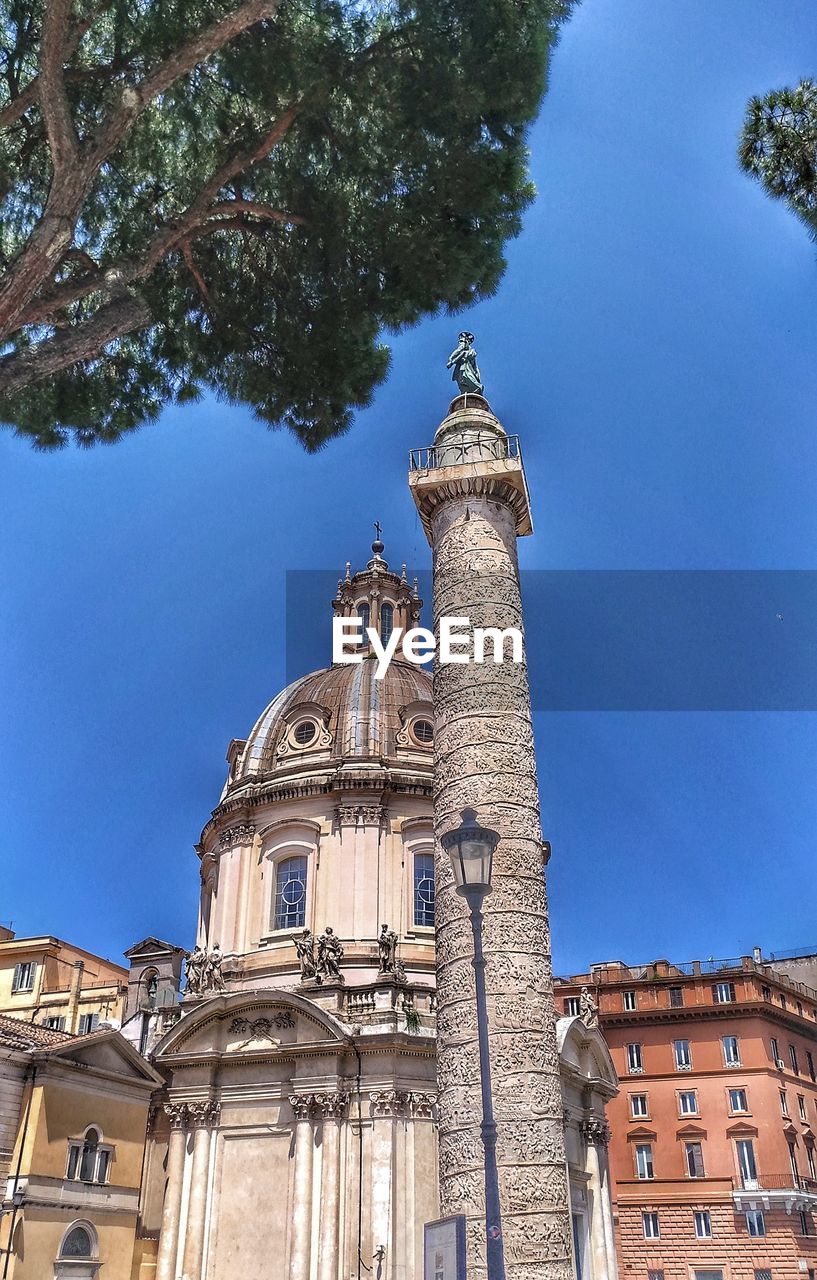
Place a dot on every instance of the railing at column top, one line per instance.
(477, 446)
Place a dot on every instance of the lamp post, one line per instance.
(471, 849)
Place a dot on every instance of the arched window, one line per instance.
(424, 888)
(290, 894)
(386, 622)
(363, 614)
(88, 1160)
(78, 1256)
(77, 1244)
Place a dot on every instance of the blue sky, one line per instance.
(654, 345)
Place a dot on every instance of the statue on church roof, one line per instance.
(463, 362)
(387, 949)
(588, 1009)
(305, 948)
(330, 954)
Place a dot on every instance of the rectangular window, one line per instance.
(630, 1000)
(688, 1102)
(800, 1007)
(746, 1163)
(782, 1000)
(655, 1275)
(643, 1161)
(805, 1222)
(731, 1051)
(763, 1273)
(634, 1063)
(755, 1222)
(703, 1224)
(801, 1106)
(676, 997)
(23, 979)
(775, 1048)
(694, 1159)
(766, 992)
(708, 1275)
(737, 1101)
(793, 1060)
(723, 993)
(784, 1103)
(638, 1105)
(54, 1023)
(795, 1173)
(572, 1007)
(88, 1022)
(683, 1055)
(652, 1229)
(810, 1064)
(424, 899)
(812, 1167)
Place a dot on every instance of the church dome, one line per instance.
(341, 713)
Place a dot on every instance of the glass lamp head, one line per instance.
(471, 849)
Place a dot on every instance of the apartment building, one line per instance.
(58, 985)
(712, 1155)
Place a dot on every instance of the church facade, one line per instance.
(297, 1134)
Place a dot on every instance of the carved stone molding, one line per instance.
(423, 1105)
(202, 1115)
(596, 1130)
(364, 815)
(262, 1028)
(241, 833)
(346, 815)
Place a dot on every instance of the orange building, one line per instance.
(712, 1155)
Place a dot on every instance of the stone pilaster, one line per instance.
(473, 501)
(171, 1210)
(201, 1115)
(299, 1262)
(331, 1108)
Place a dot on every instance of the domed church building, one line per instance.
(296, 1135)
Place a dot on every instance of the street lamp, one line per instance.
(471, 849)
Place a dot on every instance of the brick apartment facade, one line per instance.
(712, 1155)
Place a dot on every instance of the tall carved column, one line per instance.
(302, 1191)
(171, 1210)
(202, 1115)
(471, 493)
(596, 1134)
(331, 1107)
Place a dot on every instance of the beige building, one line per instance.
(73, 1117)
(297, 1135)
(58, 985)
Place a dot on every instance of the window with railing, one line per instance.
(731, 1051)
(634, 1062)
(683, 1055)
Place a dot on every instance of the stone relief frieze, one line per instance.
(239, 833)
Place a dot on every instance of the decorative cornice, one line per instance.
(241, 833)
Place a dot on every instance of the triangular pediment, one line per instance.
(151, 947)
(641, 1134)
(691, 1132)
(106, 1051)
(741, 1130)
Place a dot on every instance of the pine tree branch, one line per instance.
(123, 314)
(27, 97)
(54, 105)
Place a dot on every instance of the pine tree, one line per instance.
(778, 146)
(241, 197)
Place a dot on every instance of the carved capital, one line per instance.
(596, 1130)
(176, 1113)
(301, 1104)
(346, 815)
(423, 1105)
(390, 1103)
(241, 833)
(203, 1114)
(330, 1106)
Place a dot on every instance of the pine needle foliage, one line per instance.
(242, 196)
(778, 146)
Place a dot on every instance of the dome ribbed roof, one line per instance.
(362, 714)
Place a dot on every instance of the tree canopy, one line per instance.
(778, 146)
(241, 197)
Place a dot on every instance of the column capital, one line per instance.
(239, 833)
(204, 1114)
(596, 1130)
(301, 1104)
(330, 1105)
(393, 1102)
(176, 1113)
